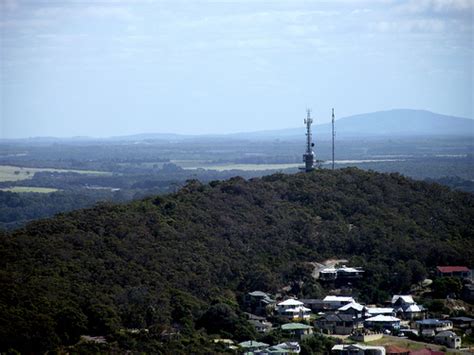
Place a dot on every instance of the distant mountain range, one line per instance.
(393, 123)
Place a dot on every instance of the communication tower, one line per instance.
(308, 156)
(333, 137)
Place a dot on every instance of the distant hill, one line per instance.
(393, 123)
(168, 262)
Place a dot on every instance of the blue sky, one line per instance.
(104, 68)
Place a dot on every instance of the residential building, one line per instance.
(453, 271)
(293, 310)
(375, 311)
(343, 273)
(257, 302)
(290, 347)
(357, 349)
(405, 307)
(252, 346)
(448, 338)
(341, 324)
(316, 305)
(383, 322)
(462, 322)
(336, 302)
(436, 325)
(297, 331)
(354, 309)
(261, 326)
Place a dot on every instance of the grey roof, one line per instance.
(446, 333)
(258, 294)
(431, 321)
(462, 319)
(332, 317)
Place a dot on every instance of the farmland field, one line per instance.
(14, 173)
(45, 190)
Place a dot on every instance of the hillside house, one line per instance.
(289, 347)
(342, 274)
(357, 349)
(341, 324)
(462, 322)
(260, 326)
(335, 302)
(354, 309)
(375, 311)
(434, 325)
(258, 302)
(462, 272)
(293, 310)
(448, 338)
(252, 346)
(297, 331)
(406, 308)
(316, 305)
(383, 322)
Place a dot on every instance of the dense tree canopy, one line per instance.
(179, 260)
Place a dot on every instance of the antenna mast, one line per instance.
(308, 157)
(333, 136)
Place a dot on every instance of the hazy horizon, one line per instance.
(109, 68)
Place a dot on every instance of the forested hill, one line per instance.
(162, 261)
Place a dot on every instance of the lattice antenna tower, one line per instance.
(308, 156)
(333, 138)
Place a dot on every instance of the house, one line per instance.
(257, 302)
(354, 309)
(406, 307)
(261, 326)
(357, 349)
(375, 311)
(448, 338)
(290, 347)
(462, 272)
(293, 310)
(316, 305)
(297, 331)
(434, 325)
(383, 322)
(462, 322)
(343, 273)
(342, 324)
(336, 302)
(252, 346)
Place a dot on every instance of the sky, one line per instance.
(108, 67)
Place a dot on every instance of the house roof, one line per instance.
(338, 299)
(426, 352)
(462, 319)
(252, 344)
(356, 347)
(258, 294)
(377, 310)
(393, 349)
(298, 309)
(354, 305)
(405, 298)
(413, 309)
(446, 333)
(432, 321)
(332, 317)
(449, 269)
(382, 318)
(290, 302)
(295, 326)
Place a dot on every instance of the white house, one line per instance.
(354, 308)
(293, 309)
(375, 311)
(448, 338)
(336, 302)
(406, 307)
(381, 321)
(357, 349)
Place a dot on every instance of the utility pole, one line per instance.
(333, 136)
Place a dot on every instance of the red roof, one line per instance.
(447, 269)
(426, 352)
(393, 349)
